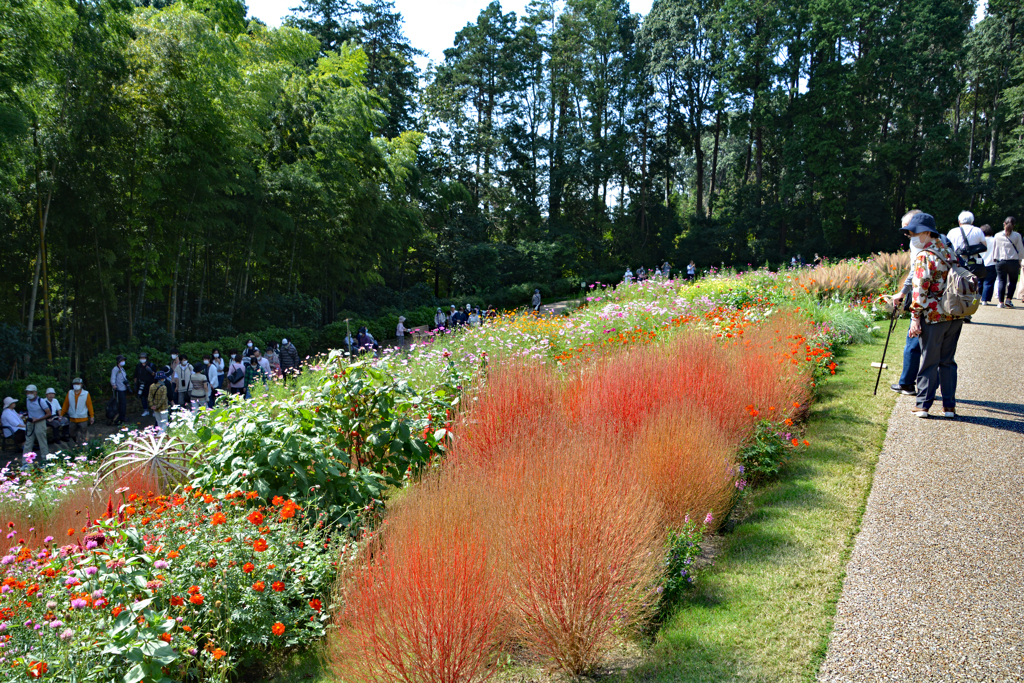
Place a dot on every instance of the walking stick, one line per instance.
(893, 320)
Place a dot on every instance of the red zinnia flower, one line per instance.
(259, 586)
(277, 586)
(218, 518)
(316, 604)
(278, 629)
(248, 568)
(260, 545)
(177, 601)
(256, 517)
(196, 599)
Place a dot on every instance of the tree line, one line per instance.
(176, 170)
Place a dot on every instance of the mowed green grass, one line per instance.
(764, 611)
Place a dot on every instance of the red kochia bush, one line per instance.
(582, 548)
(425, 604)
(688, 462)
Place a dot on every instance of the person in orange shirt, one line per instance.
(78, 409)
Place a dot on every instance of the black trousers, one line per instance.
(1006, 278)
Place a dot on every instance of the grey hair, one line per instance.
(907, 215)
(965, 218)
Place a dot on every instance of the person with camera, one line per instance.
(183, 381)
(970, 245)
(145, 373)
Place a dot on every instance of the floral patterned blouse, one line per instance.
(929, 282)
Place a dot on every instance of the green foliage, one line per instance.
(763, 455)
(343, 441)
(682, 547)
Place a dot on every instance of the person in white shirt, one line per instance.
(989, 284)
(35, 432)
(1007, 254)
(212, 379)
(474, 318)
(691, 271)
(13, 425)
(57, 421)
(119, 383)
(440, 319)
(968, 237)
(400, 331)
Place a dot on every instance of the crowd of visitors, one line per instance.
(936, 262)
(178, 385)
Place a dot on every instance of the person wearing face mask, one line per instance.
(38, 414)
(144, 376)
(938, 331)
(273, 359)
(57, 422)
(907, 384)
(289, 359)
(119, 383)
(212, 380)
(183, 382)
(78, 409)
(158, 399)
(218, 363)
(250, 349)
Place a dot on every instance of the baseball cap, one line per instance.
(31, 387)
(51, 390)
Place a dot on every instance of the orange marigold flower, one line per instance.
(248, 568)
(172, 555)
(278, 500)
(166, 637)
(278, 629)
(218, 518)
(259, 586)
(251, 494)
(796, 442)
(218, 653)
(212, 563)
(256, 517)
(806, 442)
(177, 601)
(277, 586)
(71, 532)
(192, 590)
(116, 611)
(260, 545)
(186, 629)
(196, 599)
(788, 422)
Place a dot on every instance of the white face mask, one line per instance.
(76, 387)
(121, 364)
(30, 396)
(249, 345)
(206, 361)
(216, 355)
(917, 242)
(174, 356)
(142, 361)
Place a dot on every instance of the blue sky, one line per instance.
(431, 25)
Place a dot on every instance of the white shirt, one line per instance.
(400, 330)
(54, 404)
(264, 364)
(12, 422)
(987, 256)
(974, 236)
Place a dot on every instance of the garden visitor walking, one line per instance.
(144, 374)
(691, 271)
(78, 409)
(989, 286)
(289, 359)
(13, 426)
(119, 384)
(158, 399)
(35, 434)
(907, 384)
(273, 359)
(236, 375)
(400, 331)
(440, 320)
(249, 349)
(968, 238)
(200, 391)
(1007, 254)
(536, 301)
(212, 379)
(218, 363)
(183, 382)
(57, 422)
(938, 332)
(665, 269)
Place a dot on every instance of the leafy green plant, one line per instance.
(344, 439)
(682, 547)
(764, 453)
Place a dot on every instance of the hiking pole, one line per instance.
(893, 320)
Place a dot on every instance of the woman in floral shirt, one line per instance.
(939, 332)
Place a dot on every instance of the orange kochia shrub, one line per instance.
(546, 525)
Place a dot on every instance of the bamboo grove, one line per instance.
(175, 171)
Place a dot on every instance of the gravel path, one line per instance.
(935, 586)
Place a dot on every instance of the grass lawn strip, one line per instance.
(764, 612)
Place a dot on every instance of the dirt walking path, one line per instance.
(935, 586)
